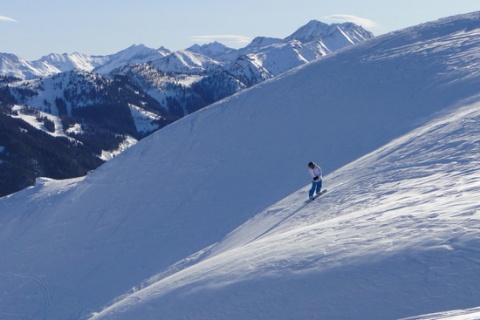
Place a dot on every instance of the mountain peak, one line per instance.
(260, 42)
(132, 55)
(315, 29)
(67, 61)
(212, 45)
(211, 50)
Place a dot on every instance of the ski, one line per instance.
(318, 195)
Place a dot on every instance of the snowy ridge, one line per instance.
(65, 62)
(13, 66)
(135, 54)
(262, 42)
(290, 54)
(318, 30)
(330, 37)
(217, 227)
(186, 62)
(212, 50)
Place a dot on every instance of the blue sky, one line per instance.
(32, 29)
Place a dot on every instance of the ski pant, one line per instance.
(316, 187)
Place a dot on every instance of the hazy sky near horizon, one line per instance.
(32, 29)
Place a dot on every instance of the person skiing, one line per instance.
(316, 173)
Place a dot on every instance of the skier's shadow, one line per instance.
(278, 223)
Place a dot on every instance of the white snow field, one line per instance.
(467, 314)
(208, 219)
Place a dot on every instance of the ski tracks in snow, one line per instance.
(41, 283)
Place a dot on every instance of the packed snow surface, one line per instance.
(208, 218)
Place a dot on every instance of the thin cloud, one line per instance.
(366, 23)
(7, 19)
(230, 39)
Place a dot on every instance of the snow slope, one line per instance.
(467, 314)
(185, 217)
(396, 235)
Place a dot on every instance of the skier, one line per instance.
(316, 173)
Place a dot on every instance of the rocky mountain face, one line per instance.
(96, 106)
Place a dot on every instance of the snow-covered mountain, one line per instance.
(14, 66)
(186, 62)
(187, 80)
(291, 54)
(212, 50)
(133, 55)
(66, 62)
(207, 218)
(313, 40)
(332, 37)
